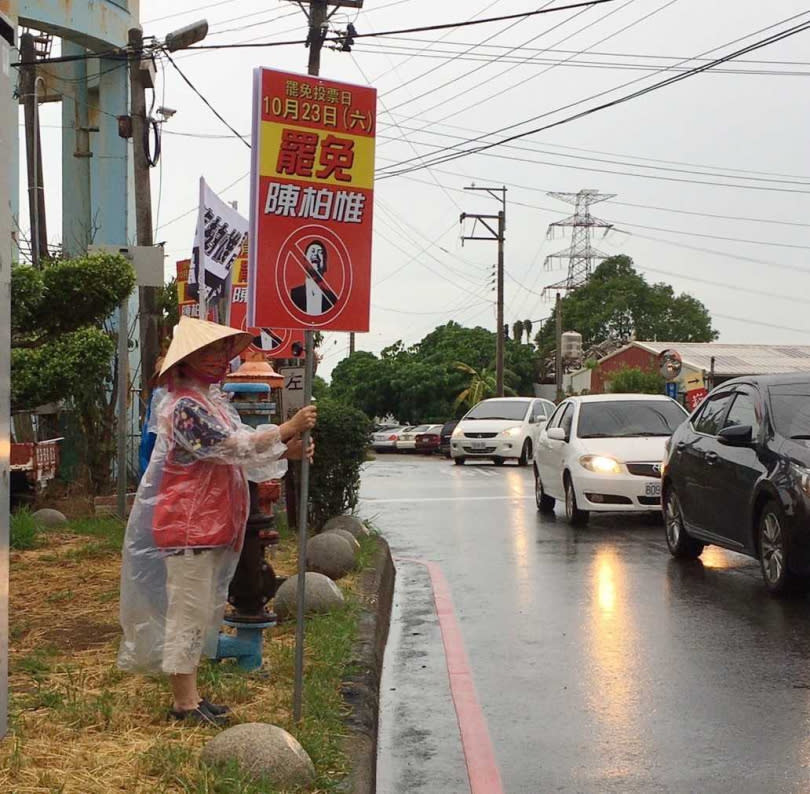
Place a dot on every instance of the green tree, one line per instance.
(420, 383)
(364, 381)
(517, 330)
(62, 349)
(618, 302)
(482, 384)
(632, 380)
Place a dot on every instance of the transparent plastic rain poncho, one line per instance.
(186, 528)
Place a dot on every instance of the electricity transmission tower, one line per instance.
(581, 255)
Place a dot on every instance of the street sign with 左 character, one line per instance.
(312, 194)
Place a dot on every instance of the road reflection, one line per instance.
(613, 665)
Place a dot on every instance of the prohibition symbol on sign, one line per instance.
(313, 275)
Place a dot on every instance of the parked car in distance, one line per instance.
(737, 475)
(407, 438)
(385, 440)
(500, 428)
(444, 437)
(428, 441)
(604, 452)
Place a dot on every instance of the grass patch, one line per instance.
(82, 726)
(107, 529)
(24, 530)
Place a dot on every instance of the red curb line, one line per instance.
(482, 768)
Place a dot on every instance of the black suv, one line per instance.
(737, 475)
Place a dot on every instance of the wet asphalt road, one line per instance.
(601, 664)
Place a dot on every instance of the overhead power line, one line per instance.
(337, 39)
(623, 155)
(515, 85)
(658, 177)
(210, 106)
(454, 153)
(449, 56)
(431, 72)
(535, 189)
(595, 53)
(421, 29)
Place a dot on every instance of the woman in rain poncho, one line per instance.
(185, 531)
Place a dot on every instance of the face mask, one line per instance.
(204, 377)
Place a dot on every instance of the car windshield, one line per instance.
(419, 429)
(790, 408)
(511, 410)
(629, 418)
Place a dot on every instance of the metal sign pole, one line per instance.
(317, 22)
(298, 691)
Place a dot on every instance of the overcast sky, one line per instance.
(664, 155)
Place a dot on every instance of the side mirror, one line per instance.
(736, 435)
(556, 434)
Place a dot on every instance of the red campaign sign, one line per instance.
(273, 342)
(695, 397)
(312, 203)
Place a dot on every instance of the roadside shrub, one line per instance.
(341, 438)
(633, 380)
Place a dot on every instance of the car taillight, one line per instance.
(392, 438)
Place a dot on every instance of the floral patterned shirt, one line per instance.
(196, 431)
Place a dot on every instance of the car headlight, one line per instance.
(802, 476)
(457, 433)
(599, 464)
(511, 432)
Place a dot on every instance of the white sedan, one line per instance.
(385, 440)
(407, 438)
(500, 428)
(603, 452)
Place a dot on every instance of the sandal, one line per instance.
(214, 708)
(199, 716)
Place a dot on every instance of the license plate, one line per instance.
(478, 444)
(652, 489)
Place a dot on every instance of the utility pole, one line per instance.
(558, 362)
(33, 145)
(318, 17)
(147, 296)
(318, 28)
(498, 234)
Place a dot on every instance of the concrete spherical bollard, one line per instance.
(49, 518)
(346, 535)
(262, 751)
(321, 595)
(351, 523)
(330, 554)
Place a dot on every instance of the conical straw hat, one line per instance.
(191, 335)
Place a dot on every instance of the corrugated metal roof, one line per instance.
(738, 359)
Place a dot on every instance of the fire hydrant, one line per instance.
(254, 583)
